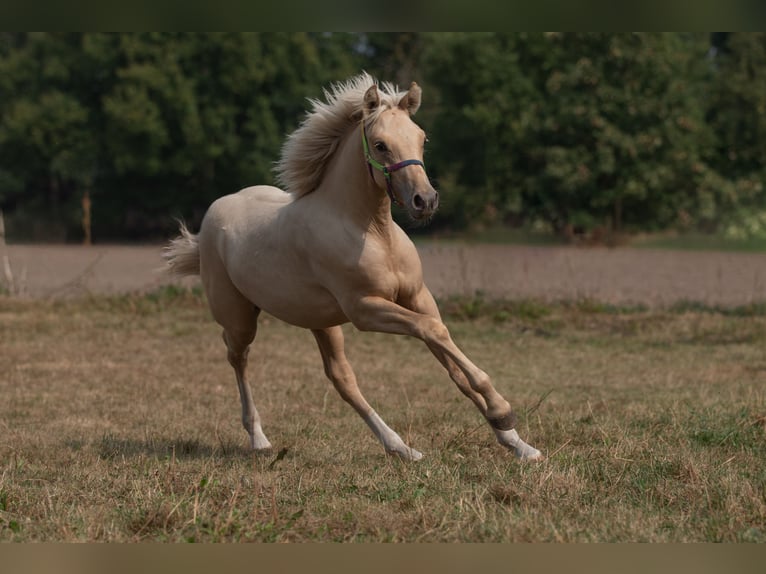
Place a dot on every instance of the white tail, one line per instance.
(182, 253)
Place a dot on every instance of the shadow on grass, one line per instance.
(111, 447)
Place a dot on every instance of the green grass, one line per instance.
(120, 422)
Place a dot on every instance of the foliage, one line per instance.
(580, 133)
(579, 130)
(737, 112)
(154, 124)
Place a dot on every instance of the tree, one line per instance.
(737, 114)
(46, 149)
(579, 130)
(155, 124)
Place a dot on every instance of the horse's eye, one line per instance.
(381, 147)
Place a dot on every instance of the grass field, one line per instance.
(120, 422)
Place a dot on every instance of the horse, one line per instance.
(325, 250)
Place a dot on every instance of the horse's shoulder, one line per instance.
(406, 252)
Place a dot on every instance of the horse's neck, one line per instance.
(348, 185)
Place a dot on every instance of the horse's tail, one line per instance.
(182, 254)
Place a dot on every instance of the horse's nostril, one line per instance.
(418, 202)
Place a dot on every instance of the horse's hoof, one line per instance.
(529, 455)
(408, 454)
(415, 455)
(261, 447)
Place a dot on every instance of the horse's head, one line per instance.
(394, 151)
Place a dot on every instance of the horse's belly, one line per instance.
(295, 301)
(314, 316)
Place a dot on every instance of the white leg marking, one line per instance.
(392, 442)
(522, 450)
(258, 440)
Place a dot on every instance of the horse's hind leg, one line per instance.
(238, 345)
(338, 370)
(239, 319)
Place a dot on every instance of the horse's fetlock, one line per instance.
(504, 421)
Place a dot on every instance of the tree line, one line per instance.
(570, 132)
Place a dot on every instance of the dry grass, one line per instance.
(120, 422)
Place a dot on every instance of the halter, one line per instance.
(386, 169)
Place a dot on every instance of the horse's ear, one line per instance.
(371, 100)
(411, 100)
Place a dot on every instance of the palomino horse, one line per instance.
(327, 252)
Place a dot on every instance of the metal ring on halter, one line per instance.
(386, 169)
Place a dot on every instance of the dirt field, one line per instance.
(618, 276)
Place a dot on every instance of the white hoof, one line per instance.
(392, 442)
(511, 440)
(529, 453)
(406, 453)
(260, 444)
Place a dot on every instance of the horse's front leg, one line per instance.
(339, 371)
(424, 322)
(425, 304)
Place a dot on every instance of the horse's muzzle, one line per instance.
(424, 205)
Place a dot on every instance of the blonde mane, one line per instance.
(307, 151)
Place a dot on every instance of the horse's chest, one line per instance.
(387, 279)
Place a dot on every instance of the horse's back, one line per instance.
(251, 204)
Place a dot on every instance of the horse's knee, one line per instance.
(436, 332)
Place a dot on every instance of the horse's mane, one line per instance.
(308, 150)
